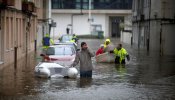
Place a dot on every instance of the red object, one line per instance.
(99, 51)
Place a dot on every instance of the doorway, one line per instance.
(115, 25)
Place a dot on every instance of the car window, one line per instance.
(66, 38)
(59, 51)
(68, 51)
(50, 51)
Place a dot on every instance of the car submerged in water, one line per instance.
(57, 61)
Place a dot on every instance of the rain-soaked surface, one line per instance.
(145, 77)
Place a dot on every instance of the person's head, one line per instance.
(83, 45)
(107, 41)
(47, 35)
(102, 46)
(119, 46)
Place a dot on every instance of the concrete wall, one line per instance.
(155, 36)
(135, 33)
(62, 21)
(168, 39)
(17, 32)
(154, 27)
(80, 23)
(126, 36)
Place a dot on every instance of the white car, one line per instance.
(48, 70)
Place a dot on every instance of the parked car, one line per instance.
(61, 54)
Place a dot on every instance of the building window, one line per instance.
(95, 4)
(7, 34)
(11, 33)
(96, 27)
(57, 4)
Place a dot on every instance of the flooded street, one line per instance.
(145, 77)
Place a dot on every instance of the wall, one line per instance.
(14, 30)
(160, 36)
(126, 36)
(168, 39)
(18, 33)
(80, 23)
(155, 36)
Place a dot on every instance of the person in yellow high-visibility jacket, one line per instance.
(120, 54)
(74, 39)
(107, 42)
(108, 45)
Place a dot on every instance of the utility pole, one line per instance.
(90, 17)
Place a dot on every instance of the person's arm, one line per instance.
(51, 41)
(115, 51)
(90, 53)
(76, 61)
(127, 55)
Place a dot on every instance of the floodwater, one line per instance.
(146, 77)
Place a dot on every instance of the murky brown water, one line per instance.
(145, 77)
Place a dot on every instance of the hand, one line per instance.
(86, 47)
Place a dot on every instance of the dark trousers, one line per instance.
(117, 61)
(86, 74)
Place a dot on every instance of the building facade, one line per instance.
(83, 17)
(154, 25)
(18, 28)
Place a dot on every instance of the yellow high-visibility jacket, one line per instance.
(122, 53)
(105, 42)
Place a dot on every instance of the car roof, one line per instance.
(60, 46)
(65, 43)
(67, 35)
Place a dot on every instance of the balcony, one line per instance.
(28, 7)
(5, 3)
(8, 2)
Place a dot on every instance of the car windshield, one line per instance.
(66, 38)
(59, 51)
